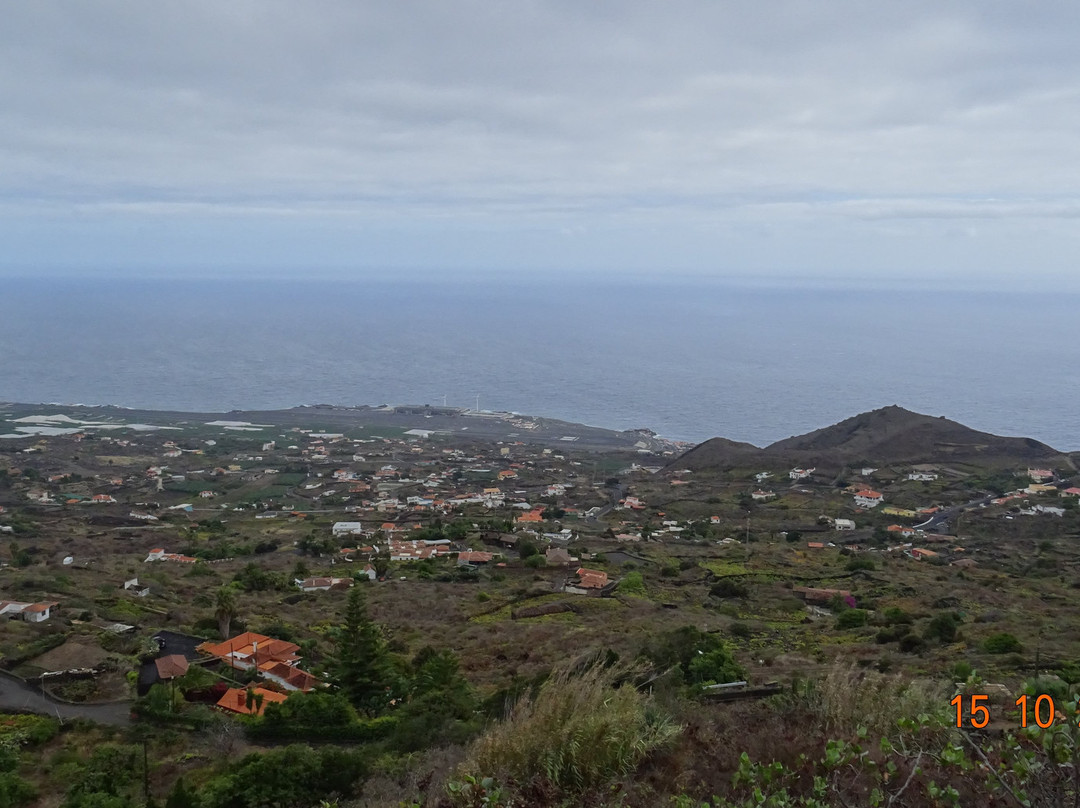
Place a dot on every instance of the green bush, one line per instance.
(943, 627)
(851, 618)
(632, 584)
(730, 588)
(1002, 644)
(857, 564)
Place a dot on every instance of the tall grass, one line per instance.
(581, 729)
(846, 699)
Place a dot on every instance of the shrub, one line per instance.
(851, 618)
(943, 627)
(580, 731)
(741, 630)
(857, 564)
(896, 616)
(729, 588)
(1003, 643)
(911, 644)
(632, 584)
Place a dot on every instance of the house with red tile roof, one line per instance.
(589, 582)
(236, 700)
(28, 612)
(535, 515)
(272, 658)
(868, 498)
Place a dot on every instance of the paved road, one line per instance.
(16, 695)
(939, 521)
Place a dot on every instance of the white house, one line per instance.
(135, 587)
(348, 529)
(800, 474)
(922, 476)
(868, 498)
(323, 584)
(30, 612)
(761, 496)
(844, 524)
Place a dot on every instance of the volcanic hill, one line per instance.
(881, 437)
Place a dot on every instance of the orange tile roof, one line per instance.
(235, 700)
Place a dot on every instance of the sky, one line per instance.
(834, 142)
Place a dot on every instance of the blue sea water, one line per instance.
(690, 360)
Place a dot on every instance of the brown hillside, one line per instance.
(884, 436)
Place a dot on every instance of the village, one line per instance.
(211, 565)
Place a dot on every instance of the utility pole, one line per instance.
(748, 536)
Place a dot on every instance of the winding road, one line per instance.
(17, 695)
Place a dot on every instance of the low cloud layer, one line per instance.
(705, 137)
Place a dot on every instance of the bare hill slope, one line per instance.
(883, 436)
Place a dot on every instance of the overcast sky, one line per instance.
(754, 140)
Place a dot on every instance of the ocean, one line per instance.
(688, 359)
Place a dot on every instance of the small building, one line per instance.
(1040, 475)
(172, 666)
(800, 474)
(589, 582)
(844, 524)
(347, 529)
(868, 498)
(28, 612)
(237, 700)
(136, 588)
(761, 496)
(324, 584)
(470, 557)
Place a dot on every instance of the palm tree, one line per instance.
(225, 610)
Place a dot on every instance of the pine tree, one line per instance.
(363, 664)
(180, 796)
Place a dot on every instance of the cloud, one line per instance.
(588, 116)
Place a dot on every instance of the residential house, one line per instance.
(102, 499)
(844, 524)
(28, 612)
(558, 556)
(237, 700)
(761, 496)
(471, 557)
(589, 582)
(1040, 475)
(868, 498)
(159, 554)
(172, 666)
(800, 474)
(347, 529)
(535, 515)
(272, 659)
(323, 584)
(922, 476)
(919, 553)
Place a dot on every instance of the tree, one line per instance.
(362, 666)
(525, 547)
(181, 796)
(225, 610)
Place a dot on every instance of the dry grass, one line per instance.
(582, 729)
(845, 699)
